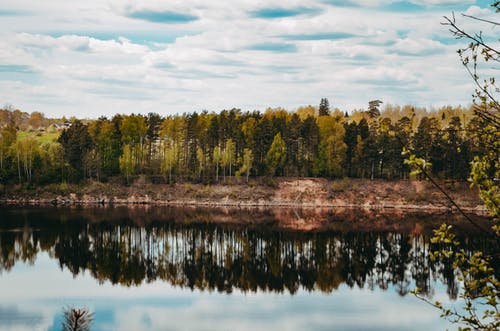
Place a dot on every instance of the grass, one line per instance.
(41, 137)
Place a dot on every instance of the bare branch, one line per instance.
(460, 33)
(481, 19)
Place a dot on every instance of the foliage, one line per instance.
(127, 161)
(276, 156)
(324, 107)
(332, 148)
(75, 142)
(169, 160)
(228, 156)
(480, 292)
(480, 286)
(203, 146)
(246, 166)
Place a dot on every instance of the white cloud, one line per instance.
(418, 46)
(92, 55)
(477, 11)
(160, 306)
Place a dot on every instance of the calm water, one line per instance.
(200, 269)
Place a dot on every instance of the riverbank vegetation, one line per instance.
(213, 147)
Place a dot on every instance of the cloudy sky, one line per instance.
(99, 57)
(33, 297)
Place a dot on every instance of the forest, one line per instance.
(209, 147)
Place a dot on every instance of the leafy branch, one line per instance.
(480, 286)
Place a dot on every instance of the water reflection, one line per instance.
(186, 249)
(77, 319)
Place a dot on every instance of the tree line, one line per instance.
(212, 147)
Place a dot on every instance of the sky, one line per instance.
(102, 57)
(33, 297)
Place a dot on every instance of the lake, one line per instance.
(161, 268)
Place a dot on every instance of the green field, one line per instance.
(42, 137)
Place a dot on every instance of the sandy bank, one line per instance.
(280, 192)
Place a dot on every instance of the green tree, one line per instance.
(216, 158)
(75, 142)
(153, 121)
(200, 158)
(174, 130)
(423, 138)
(133, 133)
(52, 163)
(332, 149)
(26, 150)
(456, 156)
(264, 136)
(293, 142)
(276, 155)
(127, 162)
(228, 156)
(8, 136)
(246, 165)
(169, 160)
(248, 129)
(350, 139)
(108, 142)
(308, 146)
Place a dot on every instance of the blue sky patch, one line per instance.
(320, 36)
(146, 37)
(340, 3)
(403, 6)
(19, 73)
(283, 69)
(363, 58)
(226, 62)
(274, 47)
(18, 68)
(164, 66)
(271, 13)
(168, 17)
(8, 12)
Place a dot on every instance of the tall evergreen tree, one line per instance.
(76, 142)
(374, 108)
(324, 107)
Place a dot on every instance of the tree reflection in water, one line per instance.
(77, 319)
(223, 257)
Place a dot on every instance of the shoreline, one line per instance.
(305, 193)
(146, 201)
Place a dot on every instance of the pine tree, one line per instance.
(324, 107)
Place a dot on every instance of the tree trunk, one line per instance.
(373, 168)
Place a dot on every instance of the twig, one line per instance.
(481, 19)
